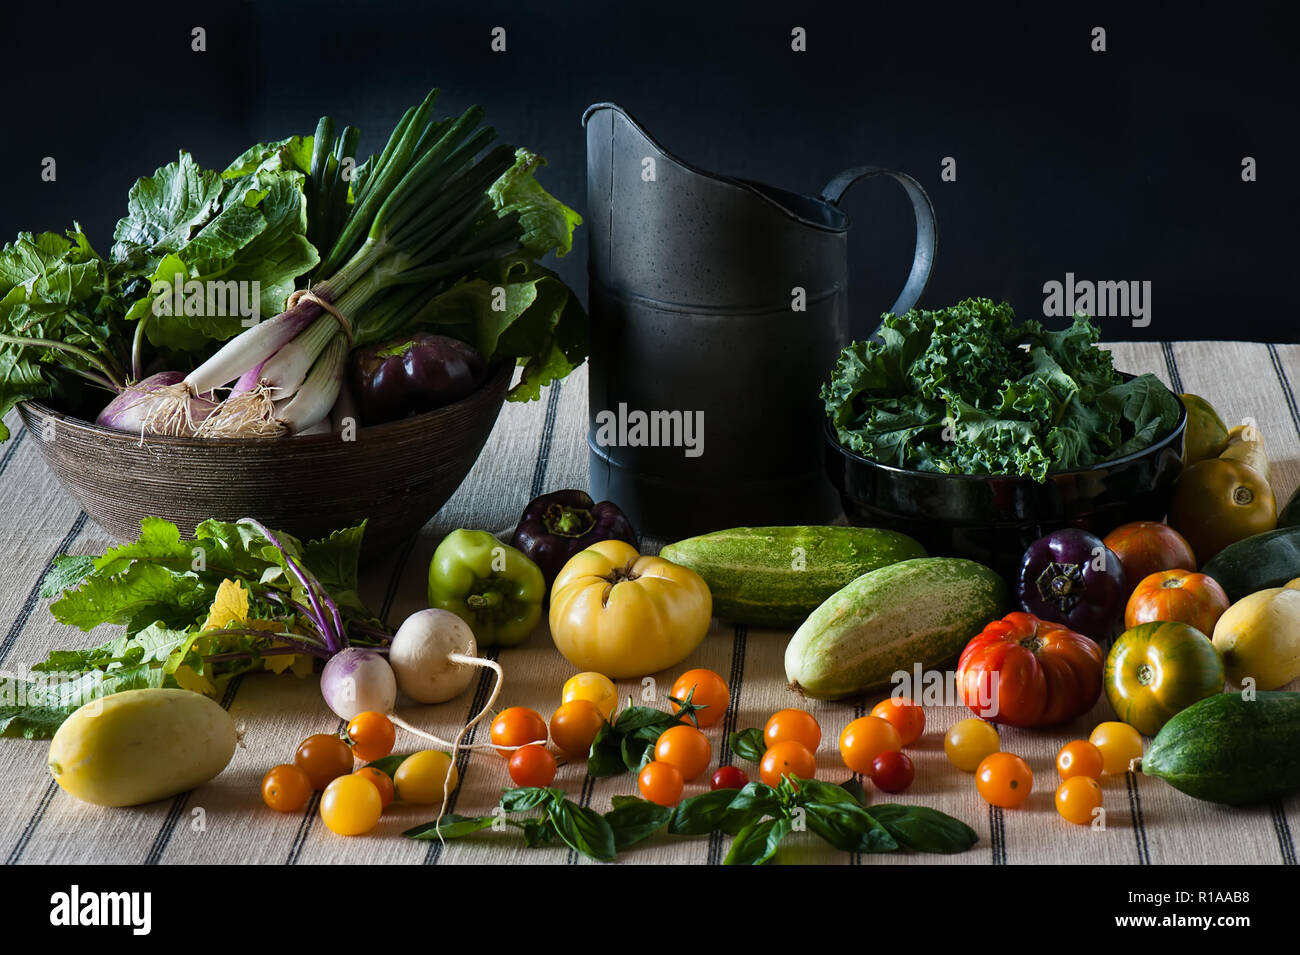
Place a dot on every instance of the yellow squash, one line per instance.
(141, 745)
(1259, 637)
(626, 614)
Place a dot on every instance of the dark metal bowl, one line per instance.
(396, 475)
(993, 518)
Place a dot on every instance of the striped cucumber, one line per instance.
(1230, 749)
(916, 611)
(776, 576)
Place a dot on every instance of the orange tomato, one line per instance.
(797, 725)
(1148, 547)
(866, 738)
(574, 726)
(1177, 595)
(1077, 799)
(686, 748)
(1004, 780)
(372, 736)
(660, 783)
(324, 758)
(787, 758)
(286, 788)
(908, 717)
(532, 765)
(1080, 758)
(710, 692)
(382, 781)
(517, 726)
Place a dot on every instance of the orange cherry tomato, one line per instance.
(532, 765)
(286, 788)
(1077, 799)
(866, 738)
(324, 758)
(710, 692)
(574, 726)
(1177, 595)
(908, 717)
(382, 781)
(517, 726)
(1080, 758)
(372, 735)
(787, 758)
(1004, 780)
(797, 725)
(660, 783)
(686, 748)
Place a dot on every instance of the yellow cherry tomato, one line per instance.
(351, 805)
(422, 776)
(1119, 743)
(596, 687)
(968, 741)
(1077, 799)
(625, 614)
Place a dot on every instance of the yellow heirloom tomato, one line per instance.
(626, 614)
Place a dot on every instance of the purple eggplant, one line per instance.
(1071, 577)
(558, 525)
(412, 375)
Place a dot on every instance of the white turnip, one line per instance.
(358, 681)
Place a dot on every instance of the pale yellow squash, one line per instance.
(1259, 637)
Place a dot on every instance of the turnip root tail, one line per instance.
(455, 745)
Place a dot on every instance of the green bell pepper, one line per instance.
(492, 586)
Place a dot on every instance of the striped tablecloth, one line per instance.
(540, 447)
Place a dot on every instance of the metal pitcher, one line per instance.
(718, 308)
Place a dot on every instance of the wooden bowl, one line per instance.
(395, 476)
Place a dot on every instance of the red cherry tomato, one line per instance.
(729, 777)
(892, 772)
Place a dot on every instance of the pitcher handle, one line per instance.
(927, 231)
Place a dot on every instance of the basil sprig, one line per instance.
(628, 743)
(748, 744)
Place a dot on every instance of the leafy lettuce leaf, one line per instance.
(548, 223)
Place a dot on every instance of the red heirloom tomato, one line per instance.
(1148, 547)
(1022, 671)
(1179, 596)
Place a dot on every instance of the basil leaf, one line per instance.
(814, 790)
(388, 765)
(636, 752)
(537, 832)
(748, 744)
(453, 827)
(853, 787)
(606, 756)
(633, 820)
(757, 842)
(528, 797)
(848, 827)
(704, 813)
(638, 717)
(583, 829)
(755, 801)
(923, 829)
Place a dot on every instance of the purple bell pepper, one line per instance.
(1071, 577)
(558, 525)
(412, 375)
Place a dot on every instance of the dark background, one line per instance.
(1115, 166)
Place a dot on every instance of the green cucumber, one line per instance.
(1230, 750)
(920, 611)
(776, 576)
(1256, 563)
(1290, 516)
